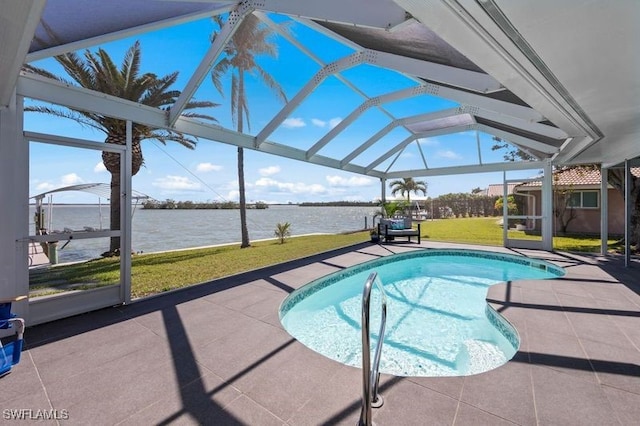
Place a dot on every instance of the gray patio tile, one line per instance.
(408, 403)
(559, 352)
(611, 291)
(265, 308)
(548, 318)
(505, 392)
(200, 402)
(236, 296)
(90, 355)
(99, 322)
(204, 321)
(336, 400)
(584, 301)
(349, 259)
(615, 366)
(240, 353)
(117, 390)
(598, 327)
(25, 409)
(285, 381)
(249, 295)
(449, 386)
(22, 380)
(565, 400)
(244, 411)
(300, 276)
(82, 341)
(625, 404)
(538, 296)
(630, 327)
(468, 415)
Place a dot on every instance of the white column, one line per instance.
(627, 213)
(604, 210)
(505, 210)
(547, 208)
(125, 217)
(383, 192)
(14, 206)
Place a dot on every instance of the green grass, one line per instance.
(487, 231)
(156, 273)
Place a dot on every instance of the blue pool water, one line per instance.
(438, 321)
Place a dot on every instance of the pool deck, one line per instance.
(217, 354)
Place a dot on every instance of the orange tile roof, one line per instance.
(576, 177)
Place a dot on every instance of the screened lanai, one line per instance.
(558, 81)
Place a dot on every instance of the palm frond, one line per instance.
(131, 65)
(271, 83)
(66, 113)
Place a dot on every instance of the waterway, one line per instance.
(161, 230)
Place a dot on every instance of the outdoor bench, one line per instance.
(388, 230)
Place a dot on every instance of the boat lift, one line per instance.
(43, 218)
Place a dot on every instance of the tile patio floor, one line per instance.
(217, 354)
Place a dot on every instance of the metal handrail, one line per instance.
(371, 376)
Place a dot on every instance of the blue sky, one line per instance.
(209, 172)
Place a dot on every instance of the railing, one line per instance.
(371, 376)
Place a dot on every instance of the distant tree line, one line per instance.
(340, 204)
(190, 205)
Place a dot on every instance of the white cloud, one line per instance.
(176, 183)
(45, 186)
(317, 122)
(322, 123)
(448, 154)
(71, 179)
(341, 181)
(99, 168)
(269, 171)
(429, 142)
(208, 167)
(334, 122)
(289, 187)
(292, 123)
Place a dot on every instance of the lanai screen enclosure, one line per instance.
(558, 80)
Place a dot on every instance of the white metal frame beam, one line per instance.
(414, 137)
(472, 80)
(396, 123)
(366, 105)
(19, 22)
(459, 170)
(118, 35)
(328, 70)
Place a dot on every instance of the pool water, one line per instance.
(438, 321)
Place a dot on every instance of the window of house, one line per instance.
(584, 200)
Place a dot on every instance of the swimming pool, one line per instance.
(438, 321)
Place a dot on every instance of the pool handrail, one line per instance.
(371, 376)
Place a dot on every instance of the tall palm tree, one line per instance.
(407, 186)
(250, 41)
(98, 72)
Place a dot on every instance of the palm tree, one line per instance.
(407, 186)
(98, 72)
(249, 41)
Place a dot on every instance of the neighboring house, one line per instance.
(497, 189)
(582, 191)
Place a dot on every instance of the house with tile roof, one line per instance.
(577, 201)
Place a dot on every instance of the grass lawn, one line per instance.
(156, 273)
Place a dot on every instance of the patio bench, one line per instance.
(389, 229)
